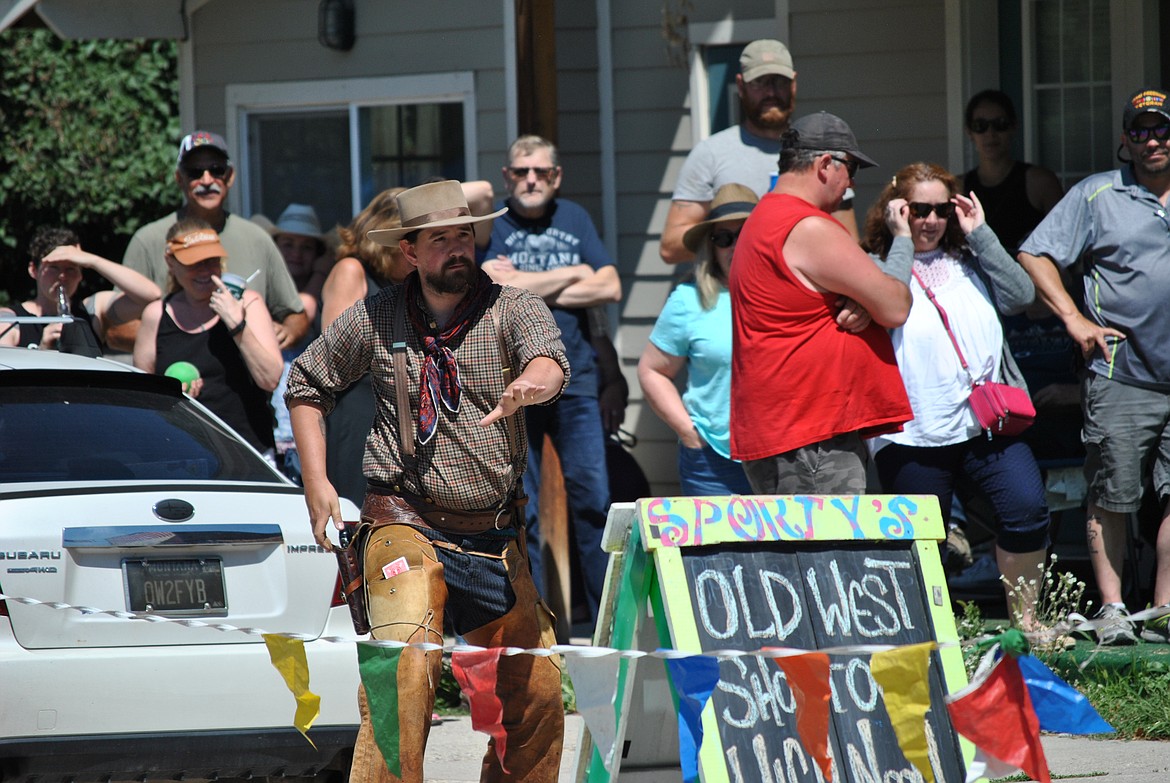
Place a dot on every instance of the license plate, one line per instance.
(193, 586)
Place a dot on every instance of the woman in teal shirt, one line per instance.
(694, 331)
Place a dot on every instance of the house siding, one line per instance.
(893, 97)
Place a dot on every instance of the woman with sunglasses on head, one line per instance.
(958, 261)
(694, 331)
(1015, 195)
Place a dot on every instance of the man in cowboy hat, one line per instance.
(805, 388)
(443, 463)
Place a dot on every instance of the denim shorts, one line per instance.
(1125, 437)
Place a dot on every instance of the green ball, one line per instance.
(183, 372)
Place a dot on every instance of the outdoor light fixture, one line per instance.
(335, 24)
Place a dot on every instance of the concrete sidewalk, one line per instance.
(455, 752)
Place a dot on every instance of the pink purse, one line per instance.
(1000, 409)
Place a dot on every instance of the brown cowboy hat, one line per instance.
(430, 206)
(732, 202)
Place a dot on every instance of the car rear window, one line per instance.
(72, 432)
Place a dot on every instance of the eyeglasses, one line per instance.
(1142, 135)
(542, 172)
(850, 164)
(218, 171)
(922, 210)
(1000, 124)
(724, 239)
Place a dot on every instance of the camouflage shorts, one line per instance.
(836, 466)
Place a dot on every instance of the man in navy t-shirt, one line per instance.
(550, 246)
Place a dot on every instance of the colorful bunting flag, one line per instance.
(477, 672)
(595, 680)
(1059, 707)
(694, 679)
(808, 677)
(996, 714)
(378, 667)
(288, 656)
(901, 673)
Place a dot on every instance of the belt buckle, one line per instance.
(501, 514)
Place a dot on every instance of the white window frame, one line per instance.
(1132, 60)
(722, 33)
(351, 95)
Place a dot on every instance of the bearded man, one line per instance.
(453, 357)
(745, 154)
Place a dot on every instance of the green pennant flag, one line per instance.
(378, 667)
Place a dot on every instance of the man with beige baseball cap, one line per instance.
(442, 521)
(747, 153)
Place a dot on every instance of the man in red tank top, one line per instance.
(813, 370)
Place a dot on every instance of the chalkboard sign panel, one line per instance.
(809, 572)
(812, 596)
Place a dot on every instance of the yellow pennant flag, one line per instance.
(902, 674)
(288, 656)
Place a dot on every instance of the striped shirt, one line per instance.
(464, 466)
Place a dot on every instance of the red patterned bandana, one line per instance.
(440, 372)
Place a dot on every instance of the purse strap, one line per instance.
(946, 322)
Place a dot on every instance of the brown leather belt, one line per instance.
(382, 509)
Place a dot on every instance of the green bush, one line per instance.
(90, 129)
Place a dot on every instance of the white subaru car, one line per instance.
(120, 494)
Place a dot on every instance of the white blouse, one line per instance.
(936, 383)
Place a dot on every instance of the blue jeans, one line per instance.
(1003, 470)
(704, 471)
(574, 424)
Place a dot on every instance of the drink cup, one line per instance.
(234, 283)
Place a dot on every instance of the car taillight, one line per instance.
(338, 595)
(4, 605)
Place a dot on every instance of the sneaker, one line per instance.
(984, 573)
(1117, 630)
(958, 550)
(1157, 630)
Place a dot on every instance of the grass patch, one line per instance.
(1132, 699)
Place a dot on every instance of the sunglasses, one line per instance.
(542, 172)
(1142, 135)
(218, 171)
(850, 164)
(1000, 124)
(922, 210)
(724, 239)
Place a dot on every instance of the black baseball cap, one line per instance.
(824, 131)
(1147, 99)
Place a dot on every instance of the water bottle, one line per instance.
(62, 302)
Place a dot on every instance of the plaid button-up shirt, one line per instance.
(464, 466)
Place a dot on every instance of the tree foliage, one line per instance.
(90, 129)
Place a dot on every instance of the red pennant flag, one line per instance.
(477, 673)
(808, 677)
(997, 715)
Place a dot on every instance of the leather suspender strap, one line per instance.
(401, 383)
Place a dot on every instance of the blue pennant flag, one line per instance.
(694, 679)
(1059, 706)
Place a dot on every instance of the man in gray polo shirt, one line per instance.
(1117, 224)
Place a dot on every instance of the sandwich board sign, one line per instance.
(744, 573)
